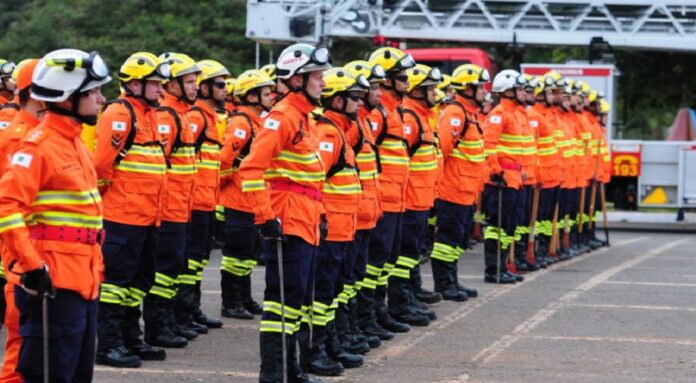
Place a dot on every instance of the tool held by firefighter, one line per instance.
(532, 226)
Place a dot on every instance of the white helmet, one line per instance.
(302, 58)
(508, 79)
(63, 72)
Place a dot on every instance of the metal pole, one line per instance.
(279, 243)
(500, 230)
(44, 309)
(258, 54)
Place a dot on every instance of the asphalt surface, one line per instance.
(620, 314)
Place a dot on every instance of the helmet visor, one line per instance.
(484, 76)
(320, 56)
(406, 62)
(377, 73)
(362, 82)
(7, 68)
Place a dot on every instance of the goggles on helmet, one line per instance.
(377, 73)
(362, 82)
(163, 71)
(94, 65)
(7, 68)
(405, 62)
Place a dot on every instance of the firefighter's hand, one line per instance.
(498, 179)
(37, 282)
(323, 227)
(271, 229)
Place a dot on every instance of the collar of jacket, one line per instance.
(209, 111)
(468, 104)
(299, 101)
(509, 104)
(249, 111)
(65, 125)
(389, 101)
(417, 106)
(339, 120)
(27, 118)
(181, 107)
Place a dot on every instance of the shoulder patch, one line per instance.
(21, 159)
(4, 125)
(163, 129)
(118, 126)
(373, 126)
(455, 122)
(495, 120)
(194, 128)
(271, 124)
(534, 123)
(407, 129)
(240, 133)
(326, 147)
(35, 135)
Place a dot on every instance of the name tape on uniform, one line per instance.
(118, 126)
(271, 124)
(21, 159)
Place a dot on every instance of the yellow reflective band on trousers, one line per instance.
(67, 197)
(407, 262)
(236, 266)
(112, 294)
(61, 218)
(220, 213)
(444, 252)
(291, 314)
(134, 297)
(277, 326)
(10, 222)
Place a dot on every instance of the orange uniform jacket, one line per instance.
(528, 146)
(388, 131)
(286, 150)
(501, 135)
(341, 193)
(362, 141)
(605, 176)
(22, 122)
(566, 143)
(51, 181)
(594, 147)
(423, 161)
(204, 122)
(7, 114)
(180, 149)
(132, 188)
(461, 140)
(549, 165)
(243, 127)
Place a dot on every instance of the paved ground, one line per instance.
(624, 314)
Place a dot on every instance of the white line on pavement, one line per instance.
(657, 284)
(136, 371)
(499, 346)
(623, 339)
(634, 307)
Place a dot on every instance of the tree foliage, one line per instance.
(655, 84)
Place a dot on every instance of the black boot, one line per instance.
(318, 361)
(399, 303)
(490, 248)
(353, 327)
(454, 276)
(205, 322)
(442, 275)
(348, 340)
(295, 373)
(158, 319)
(366, 318)
(420, 293)
(336, 352)
(111, 351)
(385, 320)
(232, 297)
(249, 303)
(271, 349)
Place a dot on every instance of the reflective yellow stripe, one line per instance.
(60, 218)
(253, 185)
(516, 138)
(469, 144)
(141, 167)
(11, 222)
(422, 166)
(67, 197)
(151, 151)
(469, 157)
(368, 175)
(516, 150)
(209, 164)
(289, 156)
(392, 144)
(394, 160)
(210, 148)
(546, 140)
(295, 175)
(184, 151)
(366, 157)
(182, 169)
(330, 188)
(548, 152)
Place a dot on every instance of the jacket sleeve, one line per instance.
(112, 132)
(493, 127)
(19, 187)
(237, 133)
(272, 137)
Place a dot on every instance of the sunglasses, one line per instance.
(220, 84)
(401, 77)
(354, 96)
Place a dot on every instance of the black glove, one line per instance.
(498, 179)
(37, 282)
(271, 229)
(323, 227)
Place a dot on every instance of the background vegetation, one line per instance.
(656, 84)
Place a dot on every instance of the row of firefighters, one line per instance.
(343, 179)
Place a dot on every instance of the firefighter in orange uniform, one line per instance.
(51, 220)
(130, 163)
(390, 138)
(208, 121)
(461, 140)
(549, 164)
(503, 136)
(285, 154)
(7, 87)
(175, 210)
(27, 118)
(241, 241)
(363, 143)
(416, 113)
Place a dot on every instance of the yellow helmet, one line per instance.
(423, 75)
(446, 81)
(210, 69)
(593, 95)
(469, 74)
(6, 68)
(251, 79)
(440, 96)
(339, 80)
(269, 70)
(373, 73)
(570, 86)
(604, 106)
(144, 66)
(582, 87)
(230, 83)
(392, 59)
(532, 82)
(180, 63)
(554, 80)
